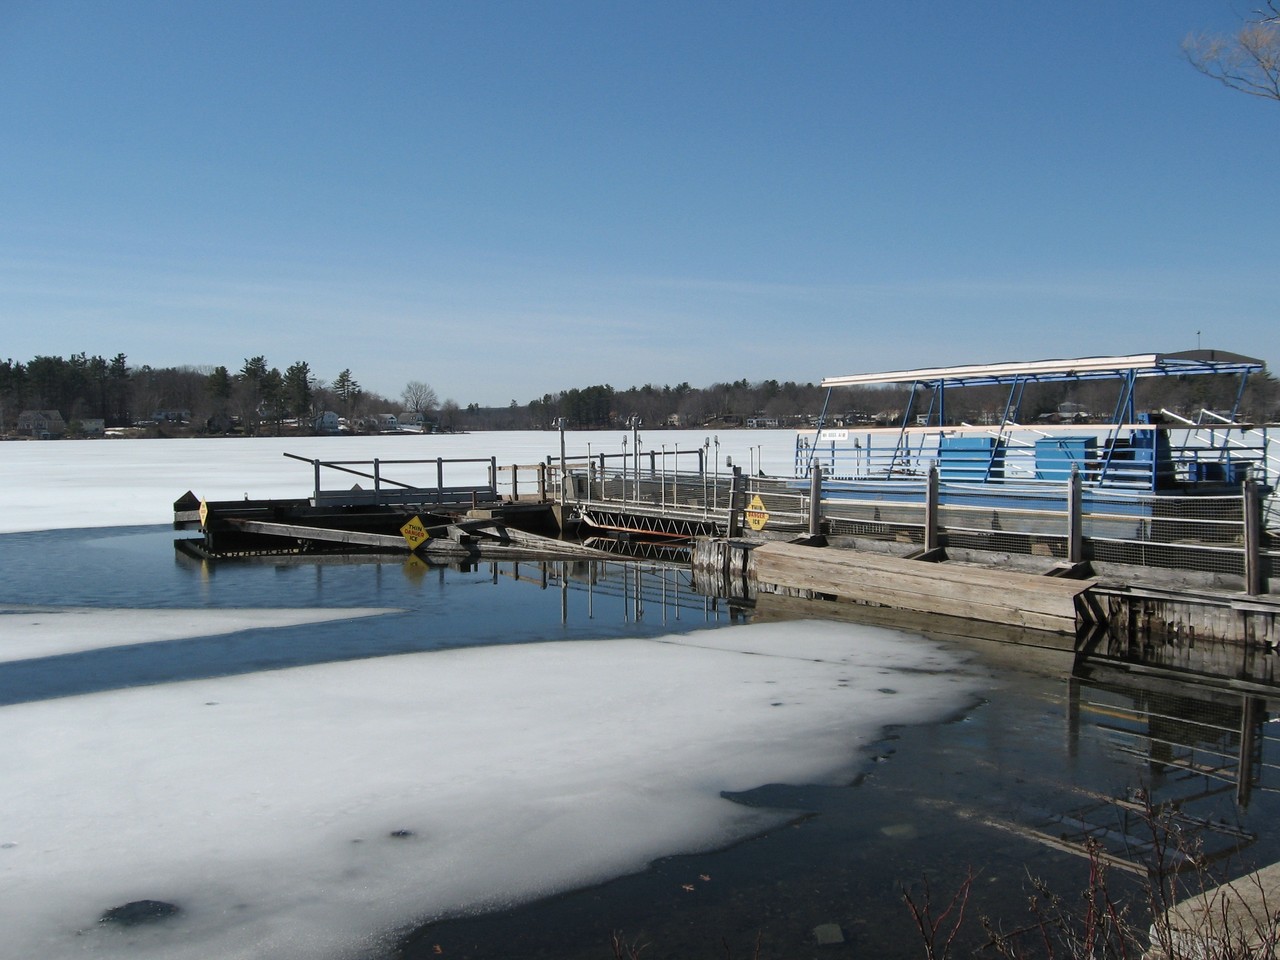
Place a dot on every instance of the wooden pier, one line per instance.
(1200, 605)
(386, 514)
(1228, 638)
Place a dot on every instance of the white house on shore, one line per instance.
(328, 422)
(41, 424)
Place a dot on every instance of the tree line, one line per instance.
(260, 398)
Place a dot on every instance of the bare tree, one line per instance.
(1248, 61)
(449, 415)
(419, 397)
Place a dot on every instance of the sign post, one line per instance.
(415, 534)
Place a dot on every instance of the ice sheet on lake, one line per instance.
(266, 805)
(29, 632)
(108, 483)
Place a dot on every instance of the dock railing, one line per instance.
(1136, 456)
(381, 482)
(1224, 535)
(1220, 535)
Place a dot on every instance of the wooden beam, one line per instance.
(957, 590)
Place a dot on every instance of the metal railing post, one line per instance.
(734, 525)
(316, 466)
(1252, 507)
(560, 422)
(815, 500)
(377, 481)
(439, 479)
(931, 538)
(1075, 517)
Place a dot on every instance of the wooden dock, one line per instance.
(1224, 638)
(1050, 603)
(745, 538)
(238, 529)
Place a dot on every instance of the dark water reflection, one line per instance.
(1008, 790)
(434, 607)
(1013, 789)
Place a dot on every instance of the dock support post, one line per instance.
(931, 510)
(1252, 507)
(815, 501)
(735, 504)
(315, 465)
(1075, 518)
(439, 479)
(377, 482)
(542, 482)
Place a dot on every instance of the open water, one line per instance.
(1002, 791)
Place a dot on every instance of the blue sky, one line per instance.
(509, 198)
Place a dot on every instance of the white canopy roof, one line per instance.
(1083, 368)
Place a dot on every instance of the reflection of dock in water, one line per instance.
(638, 590)
(1206, 751)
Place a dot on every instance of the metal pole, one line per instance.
(734, 524)
(715, 489)
(931, 538)
(635, 449)
(1075, 518)
(702, 471)
(815, 500)
(662, 477)
(1254, 582)
(563, 475)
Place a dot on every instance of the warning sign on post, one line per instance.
(757, 516)
(415, 533)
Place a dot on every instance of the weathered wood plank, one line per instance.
(1025, 596)
(510, 543)
(1027, 592)
(966, 573)
(326, 534)
(1008, 597)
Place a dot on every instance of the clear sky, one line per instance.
(504, 199)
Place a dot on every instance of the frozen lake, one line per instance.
(310, 759)
(305, 758)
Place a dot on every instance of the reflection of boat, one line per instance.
(1156, 453)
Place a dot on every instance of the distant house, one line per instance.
(41, 424)
(388, 423)
(411, 418)
(92, 426)
(328, 422)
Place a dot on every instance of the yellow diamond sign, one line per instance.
(415, 533)
(757, 515)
